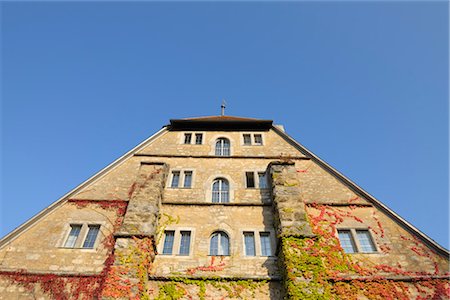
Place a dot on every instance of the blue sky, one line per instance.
(362, 85)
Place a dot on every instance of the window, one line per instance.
(168, 241)
(249, 242)
(356, 240)
(262, 180)
(187, 179)
(91, 236)
(220, 191)
(250, 179)
(76, 230)
(185, 242)
(175, 179)
(187, 138)
(220, 244)
(365, 241)
(73, 236)
(266, 248)
(347, 242)
(247, 139)
(258, 139)
(222, 147)
(198, 138)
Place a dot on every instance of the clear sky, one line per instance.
(362, 85)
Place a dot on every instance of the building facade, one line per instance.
(220, 208)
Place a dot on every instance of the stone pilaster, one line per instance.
(289, 209)
(134, 249)
(146, 193)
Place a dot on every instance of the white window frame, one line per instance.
(181, 179)
(81, 238)
(354, 236)
(176, 242)
(193, 137)
(257, 238)
(219, 243)
(256, 180)
(252, 139)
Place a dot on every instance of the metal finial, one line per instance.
(222, 112)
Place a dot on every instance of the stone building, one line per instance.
(220, 208)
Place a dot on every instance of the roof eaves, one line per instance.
(16, 232)
(405, 224)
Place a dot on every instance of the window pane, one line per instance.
(223, 147)
(187, 138)
(224, 248)
(220, 191)
(214, 246)
(198, 138)
(262, 181)
(175, 179)
(73, 236)
(168, 242)
(365, 241)
(91, 236)
(249, 242)
(346, 239)
(258, 139)
(266, 247)
(185, 243)
(247, 139)
(187, 179)
(250, 178)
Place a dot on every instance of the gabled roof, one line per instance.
(220, 122)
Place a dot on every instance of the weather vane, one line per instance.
(223, 107)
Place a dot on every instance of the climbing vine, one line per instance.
(318, 268)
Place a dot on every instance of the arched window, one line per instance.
(220, 191)
(222, 147)
(220, 244)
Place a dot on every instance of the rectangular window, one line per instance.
(247, 139)
(91, 236)
(250, 179)
(347, 242)
(175, 179)
(73, 236)
(198, 138)
(249, 242)
(258, 139)
(168, 242)
(266, 248)
(187, 179)
(365, 241)
(185, 242)
(187, 138)
(262, 180)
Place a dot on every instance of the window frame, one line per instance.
(219, 242)
(82, 235)
(196, 134)
(220, 190)
(222, 139)
(257, 232)
(252, 141)
(355, 239)
(176, 246)
(187, 134)
(256, 179)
